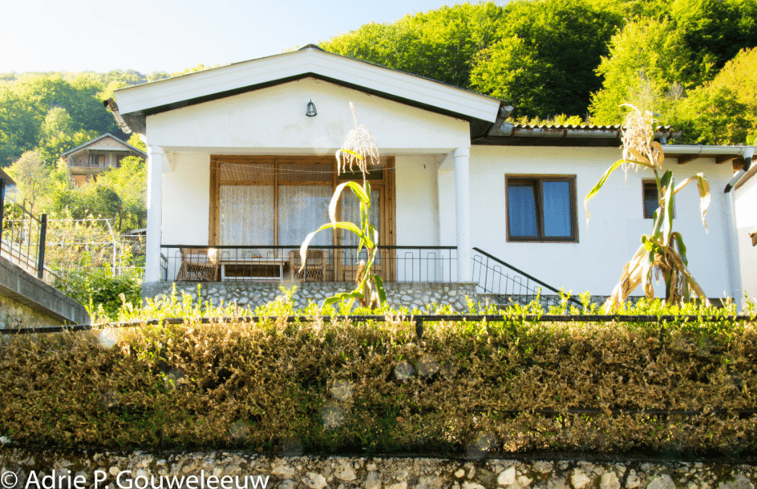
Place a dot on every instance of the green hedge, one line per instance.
(340, 387)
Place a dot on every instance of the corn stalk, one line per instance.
(359, 148)
(662, 252)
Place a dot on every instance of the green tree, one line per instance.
(58, 134)
(26, 102)
(129, 182)
(544, 63)
(32, 176)
(715, 30)
(18, 125)
(724, 110)
(119, 194)
(441, 44)
(648, 60)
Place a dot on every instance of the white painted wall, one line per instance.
(417, 220)
(273, 121)
(417, 213)
(746, 222)
(186, 200)
(596, 261)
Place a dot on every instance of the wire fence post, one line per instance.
(42, 237)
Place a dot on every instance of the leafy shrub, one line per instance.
(103, 293)
(334, 386)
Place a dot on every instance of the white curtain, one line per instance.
(302, 210)
(556, 197)
(351, 213)
(246, 215)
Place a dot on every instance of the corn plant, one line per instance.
(359, 148)
(663, 251)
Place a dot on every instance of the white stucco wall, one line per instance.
(746, 222)
(417, 213)
(186, 200)
(595, 262)
(273, 121)
(417, 220)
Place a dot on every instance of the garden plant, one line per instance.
(663, 251)
(359, 148)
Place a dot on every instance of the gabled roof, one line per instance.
(127, 146)
(137, 102)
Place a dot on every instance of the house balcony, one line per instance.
(416, 264)
(414, 276)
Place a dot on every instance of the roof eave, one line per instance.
(164, 95)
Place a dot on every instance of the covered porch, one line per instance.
(241, 168)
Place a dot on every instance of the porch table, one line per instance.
(260, 269)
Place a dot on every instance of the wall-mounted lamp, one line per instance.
(311, 112)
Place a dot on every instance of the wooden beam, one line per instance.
(683, 159)
(725, 159)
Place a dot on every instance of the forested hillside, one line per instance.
(43, 115)
(691, 61)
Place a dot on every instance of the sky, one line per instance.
(172, 35)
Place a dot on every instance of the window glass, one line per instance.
(351, 213)
(556, 197)
(541, 209)
(650, 199)
(246, 215)
(521, 209)
(302, 210)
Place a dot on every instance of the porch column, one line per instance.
(462, 213)
(155, 157)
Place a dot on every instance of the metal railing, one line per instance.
(22, 236)
(324, 263)
(497, 277)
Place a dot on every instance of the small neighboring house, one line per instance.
(90, 159)
(241, 168)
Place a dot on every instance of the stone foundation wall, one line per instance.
(26, 301)
(226, 470)
(14, 315)
(252, 294)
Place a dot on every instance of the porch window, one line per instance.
(302, 209)
(541, 208)
(97, 160)
(278, 200)
(246, 215)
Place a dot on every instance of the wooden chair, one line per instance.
(199, 265)
(315, 266)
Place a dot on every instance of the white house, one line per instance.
(241, 162)
(745, 210)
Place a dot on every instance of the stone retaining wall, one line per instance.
(26, 301)
(253, 294)
(226, 470)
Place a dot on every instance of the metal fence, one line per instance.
(323, 264)
(499, 278)
(22, 236)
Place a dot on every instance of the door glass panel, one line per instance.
(351, 213)
(246, 215)
(302, 210)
